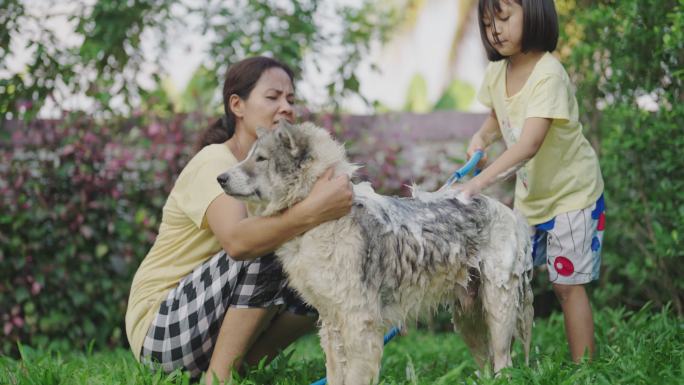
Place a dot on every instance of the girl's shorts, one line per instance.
(185, 329)
(570, 245)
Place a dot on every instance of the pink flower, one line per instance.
(168, 154)
(17, 137)
(18, 321)
(24, 104)
(154, 129)
(89, 138)
(8, 328)
(68, 149)
(86, 231)
(19, 182)
(35, 288)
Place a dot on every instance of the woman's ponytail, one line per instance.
(220, 131)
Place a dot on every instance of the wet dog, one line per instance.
(390, 258)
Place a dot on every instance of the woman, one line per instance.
(210, 295)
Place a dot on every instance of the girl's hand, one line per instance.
(330, 198)
(468, 189)
(477, 144)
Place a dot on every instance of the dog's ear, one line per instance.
(260, 131)
(285, 136)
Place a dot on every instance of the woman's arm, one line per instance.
(532, 136)
(245, 237)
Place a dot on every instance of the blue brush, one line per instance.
(391, 334)
(465, 170)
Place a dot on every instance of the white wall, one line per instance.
(423, 49)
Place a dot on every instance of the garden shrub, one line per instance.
(82, 202)
(81, 205)
(626, 58)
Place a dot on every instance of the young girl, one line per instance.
(559, 186)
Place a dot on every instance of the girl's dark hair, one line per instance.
(540, 25)
(240, 80)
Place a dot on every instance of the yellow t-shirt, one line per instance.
(564, 175)
(184, 240)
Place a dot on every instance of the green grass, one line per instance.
(642, 347)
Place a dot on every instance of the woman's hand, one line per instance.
(246, 237)
(330, 198)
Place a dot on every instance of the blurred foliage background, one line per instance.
(82, 195)
(622, 54)
(103, 60)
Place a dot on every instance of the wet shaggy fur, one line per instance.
(391, 258)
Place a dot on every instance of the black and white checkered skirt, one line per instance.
(186, 327)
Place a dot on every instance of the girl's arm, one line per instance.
(245, 237)
(532, 136)
(488, 133)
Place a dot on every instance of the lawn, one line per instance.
(642, 347)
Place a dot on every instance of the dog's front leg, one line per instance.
(363, 347)
(469, 321)
(335, 360)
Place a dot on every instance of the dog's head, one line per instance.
(282, 167)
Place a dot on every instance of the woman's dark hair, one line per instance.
(540, 25)
(240, 80)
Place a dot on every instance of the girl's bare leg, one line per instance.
(579, 322)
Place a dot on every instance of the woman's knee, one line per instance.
(250, 321)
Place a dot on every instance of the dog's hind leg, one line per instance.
(363, 347)
(332, 344)
(525, 314)
(501, 319)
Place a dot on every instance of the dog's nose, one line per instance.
(223, 179)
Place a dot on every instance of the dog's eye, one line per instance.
(260, 158)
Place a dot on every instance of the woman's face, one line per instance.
(271, 100)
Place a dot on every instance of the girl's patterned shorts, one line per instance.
(185, 329)
(570, 245)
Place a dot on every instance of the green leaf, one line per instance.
(21, 294)
(101, 250)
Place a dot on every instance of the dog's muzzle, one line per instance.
(236, 189)
(223, 180)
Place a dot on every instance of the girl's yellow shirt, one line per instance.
(565, 174)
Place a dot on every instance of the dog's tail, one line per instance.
(525, 311)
